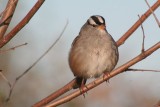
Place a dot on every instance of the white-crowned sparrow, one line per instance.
(93, 51)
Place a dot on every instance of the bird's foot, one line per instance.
(108, 75)
(82, 87)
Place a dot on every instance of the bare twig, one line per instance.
(4, 77)
(13, 48)
(137, 24)
(21, 24)
(106, 77)
(7, 16)
(143, 35)
(27, 70)
(153, 13)
(132, 69)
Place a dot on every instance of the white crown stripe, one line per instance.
(100, 19)
(92, 22)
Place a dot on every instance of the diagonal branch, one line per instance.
(138, 23)
(106, 77)
(132, 69)
(7, 16)
(21, 24)
(27, 70)
(5, 22)
(153, 13)
(12, 48)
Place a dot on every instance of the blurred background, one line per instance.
(128, 89)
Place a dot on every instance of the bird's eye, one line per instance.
(94, 25)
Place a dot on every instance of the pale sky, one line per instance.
(52, 72)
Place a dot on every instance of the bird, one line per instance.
(93, 52)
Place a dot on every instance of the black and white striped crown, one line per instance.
(96, 20)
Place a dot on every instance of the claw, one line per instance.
(108, 75)
(80, 83)
(82, 87)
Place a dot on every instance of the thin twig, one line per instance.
(12, 48)
(153, 13)
(132, 69)
(104, 78)
(27, 70)
(143, 35)
(4, 77)
(21, 24)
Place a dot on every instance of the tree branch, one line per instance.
(27, 70)
(5, 79)
(21, 24)
(106, 77)
(143, 35)
(153, 13)
(132, 69)
(12, 48)
(7, 16)
(138, 23)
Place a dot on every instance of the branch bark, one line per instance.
(7, 16)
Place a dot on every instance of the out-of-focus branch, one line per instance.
(7, 8)
(153, 13)
(66, 88)
(7, 16)
(5, 22)
(106, 77)
(12, 48)
(4, 77)
(138, 23)
(132, 69)
(27, 70)
(21, 24)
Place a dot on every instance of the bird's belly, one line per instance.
(95, 63)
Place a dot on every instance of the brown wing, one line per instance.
(75, 40)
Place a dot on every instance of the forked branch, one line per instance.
(21, 24)
(138, 23)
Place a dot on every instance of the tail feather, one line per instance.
(79, 82)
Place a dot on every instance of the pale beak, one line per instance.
(102, 27)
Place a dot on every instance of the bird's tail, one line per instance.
(79, 82)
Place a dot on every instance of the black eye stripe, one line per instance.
(97, 21)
